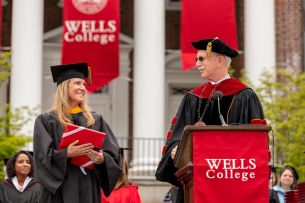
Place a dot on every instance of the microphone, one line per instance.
(218, 96)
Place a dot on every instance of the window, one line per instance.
(173, 5)
(103, 90)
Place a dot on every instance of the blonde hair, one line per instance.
(61, 105)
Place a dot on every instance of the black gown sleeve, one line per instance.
(166, 170)
(2, 193)
(9, 194)
(245, 108)
(50, 164)
(110, 171)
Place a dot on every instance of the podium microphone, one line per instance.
(218, 96)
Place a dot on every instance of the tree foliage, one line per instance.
(11, 120)
(283, 101)
(5, 67)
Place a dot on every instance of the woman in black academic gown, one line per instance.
(61, 181)
(20, 186)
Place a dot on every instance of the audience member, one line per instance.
(124, 191)
(273, 178)
(287, 182)
(20, 186)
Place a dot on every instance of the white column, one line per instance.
(27, 39)
(120, 96)
(148, 85)
(259, 38)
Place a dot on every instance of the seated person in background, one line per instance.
(20, 187)
(287, 182)
(124, 191)
(273, 178)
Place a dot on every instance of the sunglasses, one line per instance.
(200, 58)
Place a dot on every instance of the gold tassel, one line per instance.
(89, 76)
(209, 48)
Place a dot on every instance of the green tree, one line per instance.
(11, 121)
(5, 67)
(283, 101)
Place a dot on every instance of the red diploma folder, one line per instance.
(84, 135)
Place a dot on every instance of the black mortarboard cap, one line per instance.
(273, 168)
(64, 72)
(122, 151)
(6, 159)
(215, 45)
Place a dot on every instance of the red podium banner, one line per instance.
(91, 34)
(230, 166)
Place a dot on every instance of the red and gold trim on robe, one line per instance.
(169, 134)
(258, 121)
(227, 87)
(269, 161)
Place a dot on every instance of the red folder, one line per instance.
(84, 135)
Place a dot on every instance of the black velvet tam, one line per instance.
(218, 46)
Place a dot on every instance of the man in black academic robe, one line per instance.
(239, 105)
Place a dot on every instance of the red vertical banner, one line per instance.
(203, 19)
(91, 31)
(230, 166)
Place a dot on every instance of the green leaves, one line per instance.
(283, 101)
(11, 120)
(11, 140)
(5, 66)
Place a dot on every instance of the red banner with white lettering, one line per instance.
(230, 166)
(91, 34)
(204, 19)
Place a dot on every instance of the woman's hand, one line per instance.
(96, 157)
(78, 150)
(173, 154)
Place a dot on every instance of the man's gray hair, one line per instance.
(228, 60)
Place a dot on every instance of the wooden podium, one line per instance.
(184, 155)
